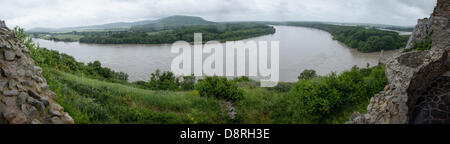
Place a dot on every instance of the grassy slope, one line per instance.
(93, 101)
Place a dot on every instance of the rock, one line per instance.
(24, 108)
(409, 74)
(20, 73)
(54, 112)
(36, 103)
(38, 70)
(44, 86)
(56, 107)
(19, 54)
(28, 83)
(67, 119)
(19, 118)
(2, 24)
(34, 94)
(56, 120)
(2, 45)
(32, 111)
(35, 121)
(29, 73)
(6, 73)
(13, 116)
(11, 93)
(2, 85)
(11, 84)
(9, 101)
(45, 100)
(9, 55)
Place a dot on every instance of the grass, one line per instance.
(99, 102)
(346, 112)
(93, 101)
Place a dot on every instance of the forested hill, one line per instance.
(172, 22)
(110, 26)
(176, 20)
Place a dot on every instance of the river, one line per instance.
(300, 49)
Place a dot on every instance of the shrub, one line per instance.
(282, 87)
(219, 87)
(307, 74)
(164, 81)
(188, 82)
(242, 79)
(319, 99)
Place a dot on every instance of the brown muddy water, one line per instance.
(300, 49)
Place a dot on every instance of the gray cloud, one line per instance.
(63, 13)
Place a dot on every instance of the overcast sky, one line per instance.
(65, 13)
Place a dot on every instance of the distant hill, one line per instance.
(172, 21)
(110, 26)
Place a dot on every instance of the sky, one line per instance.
(67, 13)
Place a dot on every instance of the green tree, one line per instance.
(219, 87)
(188, 82)
(163, 81)
(307, 74)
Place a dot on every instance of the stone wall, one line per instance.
(25, 97)
(2, 24)
(410, 74)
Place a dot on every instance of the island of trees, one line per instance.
(219, 32)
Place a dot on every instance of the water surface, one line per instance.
(300, 49)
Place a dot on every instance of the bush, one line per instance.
(307, 74)
(321, 98)
(164, 81)
(282, 87)
(219, 87)
(242, 79)
(188, 82)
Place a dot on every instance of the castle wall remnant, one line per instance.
(25, 97)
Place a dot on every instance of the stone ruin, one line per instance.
(419, 82)
(25, 97)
